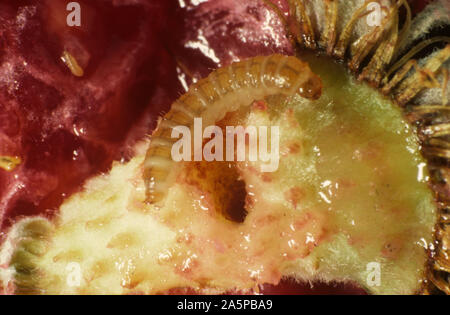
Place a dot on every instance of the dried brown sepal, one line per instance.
(441, 262)
(432, 151)
(386, 51)
(440, 282)
(374, 71)
(439, 275)
(406, 27)
(329, 36)
(422, 110)
(439, 143)
(305, 32)
(422, 78)
(436, 130)
(361, 48)
(444, 86)
(445, 218)
(344, 39)
(399, 76)
(408, 57)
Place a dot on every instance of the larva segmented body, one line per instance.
(223, 91)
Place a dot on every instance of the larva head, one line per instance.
(305, 82)
(312, 88)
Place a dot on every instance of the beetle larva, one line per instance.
(223, 91)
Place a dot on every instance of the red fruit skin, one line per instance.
(66, 129)
(418, 5)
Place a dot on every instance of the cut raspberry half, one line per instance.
(360, 195)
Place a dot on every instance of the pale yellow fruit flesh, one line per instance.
(351, 190)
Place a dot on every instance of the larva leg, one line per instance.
(223, 91)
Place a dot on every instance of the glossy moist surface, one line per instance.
(137, 57)
(350, 190)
